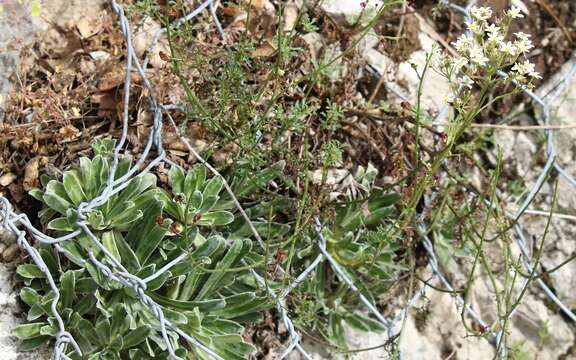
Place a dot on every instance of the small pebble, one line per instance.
(7, 237)
(10, 253)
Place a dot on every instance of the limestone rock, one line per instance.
(350, 12)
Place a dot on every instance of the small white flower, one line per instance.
(475, 27)
(535, 75)
(526, 68)
(449, 99)
(495, 38)
(481, 13)
(515, 12)
(463, 43)
(492, 29)
(494, 35)
(508, 48)
(460, 63)
(477, 56)
(522, 36)
(523, 46)
(466, 81)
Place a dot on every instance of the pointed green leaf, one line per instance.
(120, 321)
(125, 222)
(49, 330)
(120, 209)
(213, 187)
(56, 202)
(204, 305)
(33, 343)
(147, 236)
(208, 203)
(57, 188)
(169, 205)
(95, 174)
(242, 304)
(136, 187)
(382, 201)
(227, 261)
(36, 194)
(200, 172)
(27, 331)
(67, 289)
(129, 258)
(86, 173)
(30, 271)
(60, 224)
(135, 337)
(222, 326)
(123, 167)
(85, 305)
(175, 317)
(176, 176)
(145, 225)
(29, 296)
(109, 243)
(160, 281)
(190, 183)
(50, 259)
(104, 173)
(103, 331)
(209, 248)
(196, 200)
(73, 185)
(35, 313)
(216, 218)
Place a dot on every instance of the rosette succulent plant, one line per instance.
(208, 294)
(81, 184)
(194, 198)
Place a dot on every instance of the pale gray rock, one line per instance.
(350, 12)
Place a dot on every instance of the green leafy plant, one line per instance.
(209, 294)
(195, 198)
(86, 182)
(360, 242)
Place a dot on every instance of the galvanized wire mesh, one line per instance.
(154, 153)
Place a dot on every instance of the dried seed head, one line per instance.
(176, 228)
(180, 198)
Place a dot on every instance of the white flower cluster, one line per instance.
(484, 50)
